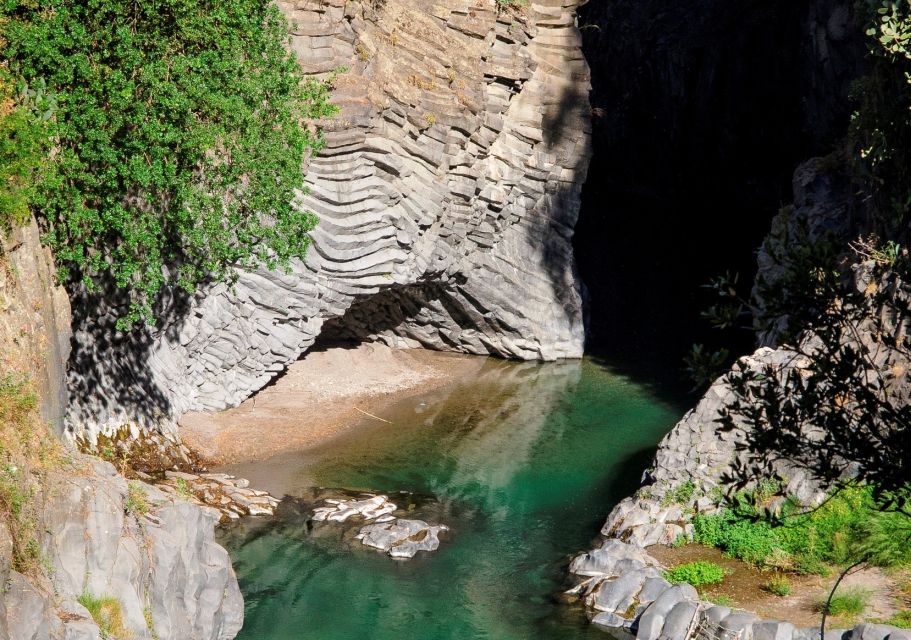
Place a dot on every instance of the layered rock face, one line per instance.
(447, 195)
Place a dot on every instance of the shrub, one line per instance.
(698, 573)
(747, 540)
(24, 141)
(180, 133)
(851, 601)
(107, 613)
(803, 542)
(778, 585)
(137, 503)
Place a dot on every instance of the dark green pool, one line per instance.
(523, 462)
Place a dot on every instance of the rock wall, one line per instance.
(447, 195)
(34, 319)
(171, 580)
(164, 568)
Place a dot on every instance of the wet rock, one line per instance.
(231, 496)
(402, 538)
(340, 510)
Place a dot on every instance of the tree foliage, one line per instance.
(24, 143)
(180, 132)
(838, 404)
(881, 125)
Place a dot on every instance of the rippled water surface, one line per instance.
(523, 462)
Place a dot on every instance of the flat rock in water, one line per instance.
(402, 538)
(340, 510)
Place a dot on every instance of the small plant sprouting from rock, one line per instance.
(27, 452)
(681, 494)
(150, 623)
(183, 489)
(107, 613)
(511, 4)
(137, 503)
(430, 119)
(698, 573)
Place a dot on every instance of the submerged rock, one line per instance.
(399, 537)
(402, 538)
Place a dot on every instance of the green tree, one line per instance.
(24, 129)
(180, 133)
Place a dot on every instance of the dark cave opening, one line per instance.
(702, 109)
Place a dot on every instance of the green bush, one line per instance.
(698, 573)
(180, 132)
(803, 542)
(24, 144)
(851, 601)
(778, 585)
(747, 540)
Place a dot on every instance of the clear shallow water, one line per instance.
(523, 462)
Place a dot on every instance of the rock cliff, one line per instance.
(163, 568)
(159, 562)
(447, 194)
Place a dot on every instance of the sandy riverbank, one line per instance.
(321, 397)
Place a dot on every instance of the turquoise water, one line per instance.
(523, 462)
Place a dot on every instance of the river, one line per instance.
(523, 462)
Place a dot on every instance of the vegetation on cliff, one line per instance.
(179, 130)
(24, 145)
(27, 452)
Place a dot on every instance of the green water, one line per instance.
(523, 462)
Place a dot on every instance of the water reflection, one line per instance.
(521, 462)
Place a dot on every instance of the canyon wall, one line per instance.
(160, 562)
(447, 195)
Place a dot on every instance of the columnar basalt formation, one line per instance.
(447, 194)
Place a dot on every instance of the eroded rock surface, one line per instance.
(447, 192)
(162, 566)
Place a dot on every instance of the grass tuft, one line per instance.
(849, 602)
(107, 612)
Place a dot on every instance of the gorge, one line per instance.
(539, 187)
